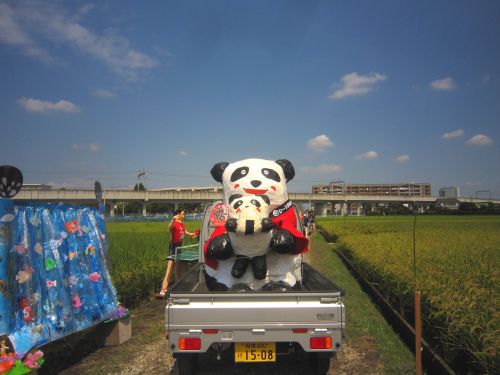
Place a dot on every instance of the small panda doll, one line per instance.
(250, 230)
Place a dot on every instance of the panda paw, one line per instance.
(220, 248)
(267, 225)
(231, 225)
(283, 242)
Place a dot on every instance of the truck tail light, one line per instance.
(190, 343)
(299, 330)
(207, 331)
(321, 342)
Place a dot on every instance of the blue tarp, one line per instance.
(55, 265)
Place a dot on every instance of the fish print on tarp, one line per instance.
(6, 228)
(57, 305)
(58, 271)
(86, 312)
(28, 324)
(96, 255)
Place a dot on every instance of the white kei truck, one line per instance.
(255, 326)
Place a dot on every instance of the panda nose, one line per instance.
(255, 183)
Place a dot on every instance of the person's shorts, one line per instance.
(172, 247)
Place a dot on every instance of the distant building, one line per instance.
(449, 192)
(210, 189)
(37, 187)
(402, 189)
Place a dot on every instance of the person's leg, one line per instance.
(172, 249)
(166, 279)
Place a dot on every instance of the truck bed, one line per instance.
(312, 281)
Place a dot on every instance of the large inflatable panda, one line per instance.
(263, 180)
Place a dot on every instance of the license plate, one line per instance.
(255, 352)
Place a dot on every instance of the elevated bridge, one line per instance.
(179, 196)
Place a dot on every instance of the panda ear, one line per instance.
(287, 168)
(218, 169)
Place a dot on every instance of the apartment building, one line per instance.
(402, 189)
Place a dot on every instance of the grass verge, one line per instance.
(363, 318)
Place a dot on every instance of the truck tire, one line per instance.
(186, 364)
(320, 362)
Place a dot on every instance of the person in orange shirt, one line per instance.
(177, 230)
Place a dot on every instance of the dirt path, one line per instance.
(147, 353)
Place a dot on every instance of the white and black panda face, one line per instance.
(256, 203)
(248, 210)
(255, 177)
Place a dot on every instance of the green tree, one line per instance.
(139, 187)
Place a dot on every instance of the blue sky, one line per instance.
(360, 91)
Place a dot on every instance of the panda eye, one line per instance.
(255, 203)
(239, 173)
(237, 204)
(271, 174)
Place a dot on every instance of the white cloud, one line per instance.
(473, 183)
(366, 155)
(86, 8)
(29, 26)
(103, 93)
(480, 140)
(91, 147)
(401, 158)
(322, 169)
(14, 34)
(453, 134)
(443, 84)
(43, 106)
(183, 153)
(320, 143)
(74, 183)
(94, 147)
(354, 84)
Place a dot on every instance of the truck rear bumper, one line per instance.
(310, 340)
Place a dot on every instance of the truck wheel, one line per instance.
(186, 364)
(320, 362)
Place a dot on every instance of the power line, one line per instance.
(134, 173)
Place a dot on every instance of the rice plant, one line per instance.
(137, 253)
(457, 270)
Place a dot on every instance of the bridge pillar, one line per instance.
(112, 209)
(358, 209)
(345, 209)
(144, 211)
(320, 208)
